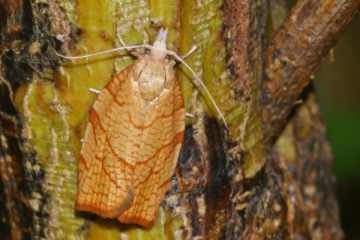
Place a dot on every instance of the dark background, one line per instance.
(337, 85)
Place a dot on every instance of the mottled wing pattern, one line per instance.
(160, 129)
(130, 151)
(104, 175)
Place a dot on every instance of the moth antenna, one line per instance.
(199, 83)
(104, 52)
(157, 49)
(122, 42)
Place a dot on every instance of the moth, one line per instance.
(133, 137)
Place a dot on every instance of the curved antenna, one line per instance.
(196, 80)
(105, 52)
(199, 84)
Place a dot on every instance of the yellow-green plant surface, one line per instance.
(55, 112)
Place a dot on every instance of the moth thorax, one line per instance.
(155, 77)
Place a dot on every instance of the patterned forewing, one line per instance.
(104, 175)
(161, 139)
(130, 149)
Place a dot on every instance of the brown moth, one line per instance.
(133, 138)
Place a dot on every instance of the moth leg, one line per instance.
(67, 76)
(191, 51)
(122, 42)
(200, 85)
(189, 115)
(137, 52)
(94, 90)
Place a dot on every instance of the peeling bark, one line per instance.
(307, 35)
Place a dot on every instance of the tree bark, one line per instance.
(268, 176)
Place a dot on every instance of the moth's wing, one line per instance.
(104, 174)
(161, 139)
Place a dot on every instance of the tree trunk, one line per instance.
(268, 176)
